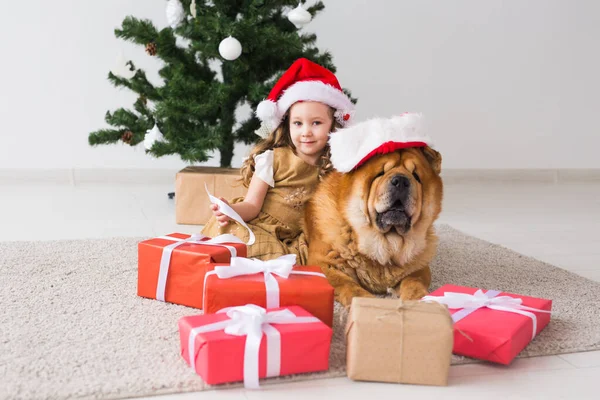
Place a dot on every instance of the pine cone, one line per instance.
(143, 99)
(151, 48)
(127, 137)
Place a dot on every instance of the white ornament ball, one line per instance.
(299, 16)
(122, 69)
(152, 136)
(175, 13)
(230, 48)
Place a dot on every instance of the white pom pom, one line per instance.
(268, 113)
(175, 13)
(266, 110)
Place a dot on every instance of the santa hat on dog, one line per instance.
(353, 146)
(303, 81)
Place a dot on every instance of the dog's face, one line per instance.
(397, 192)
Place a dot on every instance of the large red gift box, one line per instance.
(306, 286)
(173, 270)
(296, 346)
(496, 335)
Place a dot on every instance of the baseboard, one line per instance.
(167, 176)
(32, 175)
(132, 176)
(77, 176)
(521, 175)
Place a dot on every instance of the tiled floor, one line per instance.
(556, 223)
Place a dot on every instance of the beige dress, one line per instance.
(278, 225)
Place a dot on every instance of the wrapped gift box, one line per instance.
(305, 286)
(398, 341)
(492, 325)
(249, 342)
(173, 270)
(192, 205)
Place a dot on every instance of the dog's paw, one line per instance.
(413, 292)
(346, 295)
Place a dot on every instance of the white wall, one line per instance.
(504, 84)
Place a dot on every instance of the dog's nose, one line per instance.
(400, 186)
(400, 181)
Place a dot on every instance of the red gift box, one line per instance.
(270, 284)
(492, 325)
(248, 342)
(171, 268)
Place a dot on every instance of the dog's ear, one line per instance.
(434, 158)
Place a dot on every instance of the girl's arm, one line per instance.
(252, 204)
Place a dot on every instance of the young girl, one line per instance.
(304, 106)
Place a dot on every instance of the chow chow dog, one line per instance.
(370, 226)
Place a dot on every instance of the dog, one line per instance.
(371, 229)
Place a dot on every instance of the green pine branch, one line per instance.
(140, 31)
(104, 136)
(138, 84)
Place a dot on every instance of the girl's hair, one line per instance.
(281, 138)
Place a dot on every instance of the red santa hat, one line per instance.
(353, 146)
(303, 81)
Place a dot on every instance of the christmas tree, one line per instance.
(218, 55)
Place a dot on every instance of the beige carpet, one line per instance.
(72, 326)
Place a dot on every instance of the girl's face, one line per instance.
(310, 124)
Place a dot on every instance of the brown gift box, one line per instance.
(402, 342)
(191, 201)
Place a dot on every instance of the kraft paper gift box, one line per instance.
(172, 268)
(248, 342)
(492, 325)
(270, 284)
(390, 340)
(192, 205)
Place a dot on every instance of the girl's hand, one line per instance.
(222, 219)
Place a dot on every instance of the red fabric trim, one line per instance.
(389, 147)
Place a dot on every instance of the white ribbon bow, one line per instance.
(490, 299)
(281, 266)
(252, 321)
(165, 260)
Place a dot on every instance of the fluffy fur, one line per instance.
(347, 223)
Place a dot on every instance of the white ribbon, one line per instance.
(230, 212)
(471, 302)
(281, 266)
(165, 260)
(252, 321)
